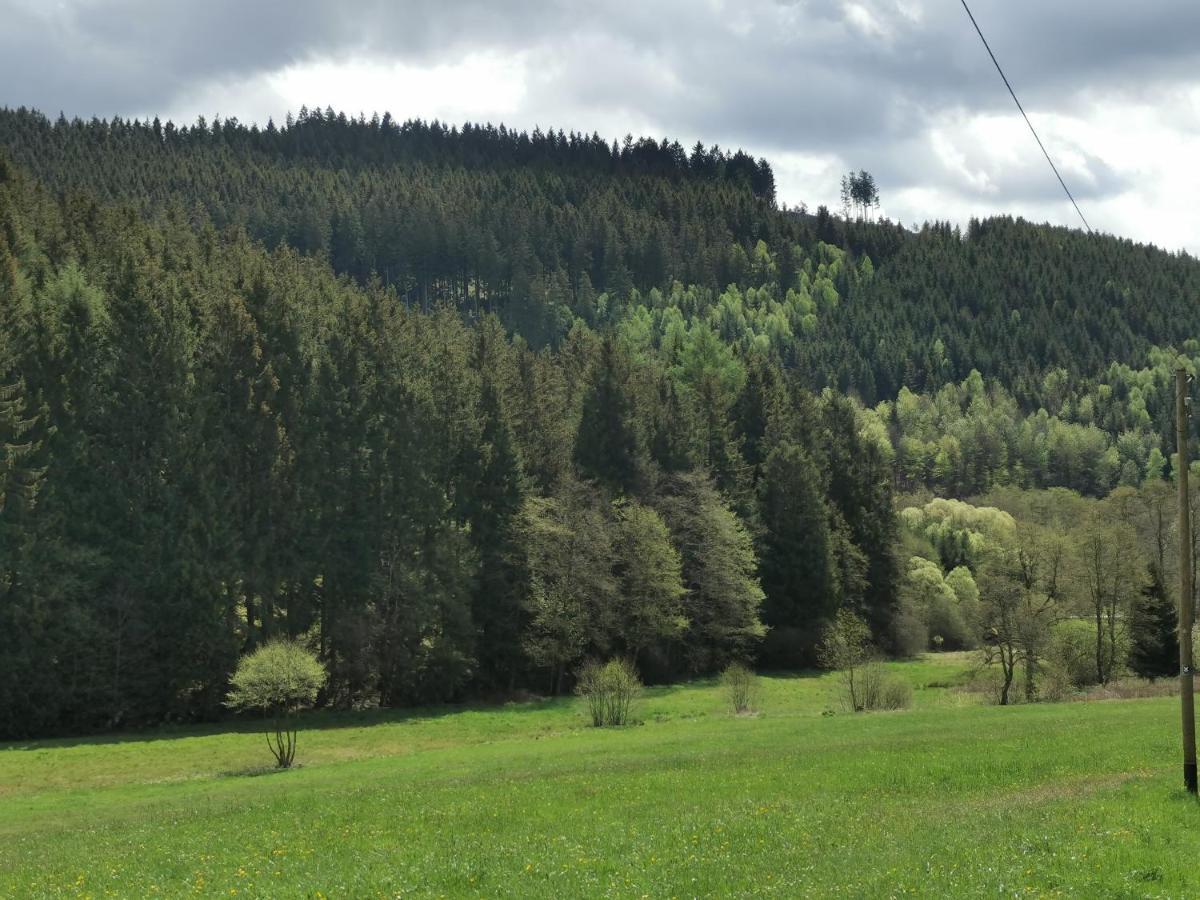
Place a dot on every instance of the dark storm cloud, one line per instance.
(864, 80)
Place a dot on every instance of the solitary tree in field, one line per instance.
(279, 678)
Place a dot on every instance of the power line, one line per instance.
(996, 63)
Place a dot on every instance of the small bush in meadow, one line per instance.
(608, 691)
(895, 693)
(879, 690)
(741, 687)
(588, 686)
(847, 649)
(1072, 651)
(868, 688)
(1055, 683)
(279, 679)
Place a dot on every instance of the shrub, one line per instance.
(279, 679)
(609, 690)
(1072, 651)
(589, 686)
(876, 689)
(741, 687)
(867, 692)
(847, 648)
(895, 693)
(1055, 683)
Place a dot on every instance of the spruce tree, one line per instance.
(496, 500)
(1154, 644)
(795, 559)
(606, 444)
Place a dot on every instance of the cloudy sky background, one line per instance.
(902, 88)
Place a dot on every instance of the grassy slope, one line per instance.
(944, 799)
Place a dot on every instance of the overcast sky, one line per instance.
(902, 88)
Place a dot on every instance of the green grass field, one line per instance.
(950, 798)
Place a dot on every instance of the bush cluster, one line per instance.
(876, 689)
(741, 687)
(609, 690)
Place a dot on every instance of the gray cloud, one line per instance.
(808, 54)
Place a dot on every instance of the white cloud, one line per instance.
(477, 86)
(992, 165)
(864, 21)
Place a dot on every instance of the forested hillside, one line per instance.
(547, 228)
(466, 407)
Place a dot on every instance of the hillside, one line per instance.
(462, 409)
(538, 227)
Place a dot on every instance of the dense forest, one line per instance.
(465, 407)
(547, 228)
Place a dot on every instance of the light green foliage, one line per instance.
(572, 590)
(962, 582)
(708, 367)
(959, 532)
(929, 595)
(650, 575)
(970, 437)
(873, 429)
(279, 679)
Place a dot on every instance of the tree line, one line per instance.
(536, 228)
(1060, 591)
(208, 444)
(463, 408)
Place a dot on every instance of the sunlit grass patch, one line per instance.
(528, 800)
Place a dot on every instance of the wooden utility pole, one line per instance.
(1187, 706)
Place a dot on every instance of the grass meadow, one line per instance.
(949, 798)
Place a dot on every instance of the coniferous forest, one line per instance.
(465, 407)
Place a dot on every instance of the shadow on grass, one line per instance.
(801, 674)
(327, 719)
(257, 771)
(316, 720)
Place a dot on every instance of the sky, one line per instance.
(902, 88)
